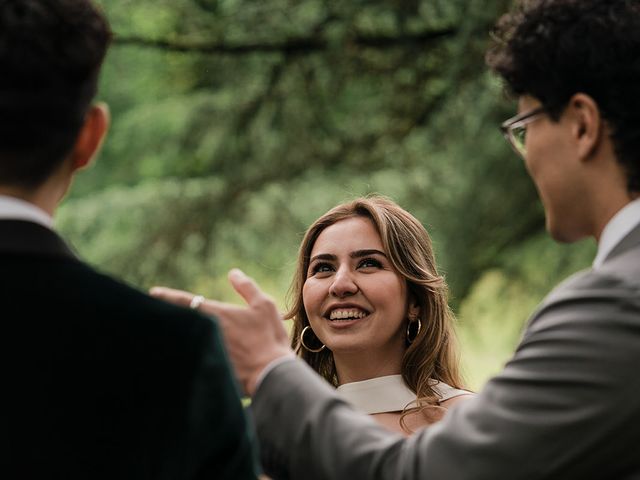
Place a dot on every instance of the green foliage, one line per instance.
(236, 123)
(494, 313)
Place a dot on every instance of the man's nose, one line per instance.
(344, 284)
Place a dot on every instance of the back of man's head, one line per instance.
(553, 49)
(50, 56)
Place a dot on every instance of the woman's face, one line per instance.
(355, 300)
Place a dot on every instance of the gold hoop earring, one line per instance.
(312, 350)
(409, 339)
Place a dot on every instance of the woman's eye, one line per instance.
(321, 268)
(369, 262)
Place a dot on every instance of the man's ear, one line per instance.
(587, 124)
(91, 135)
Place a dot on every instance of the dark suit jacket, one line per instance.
(99, 381)
(567, 405)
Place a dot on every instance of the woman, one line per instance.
(370, 313)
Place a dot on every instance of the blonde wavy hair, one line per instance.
(432, 355)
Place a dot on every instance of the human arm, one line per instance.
(562, 408)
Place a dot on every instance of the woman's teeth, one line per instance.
(346, 314)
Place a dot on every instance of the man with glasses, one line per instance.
(566, 406)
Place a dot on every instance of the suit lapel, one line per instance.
(24, 237)
(630, 241)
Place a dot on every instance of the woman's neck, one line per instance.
(359, 366)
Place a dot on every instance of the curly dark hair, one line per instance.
(50, 55)
(552, 49)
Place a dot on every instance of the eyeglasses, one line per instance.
(515, 129)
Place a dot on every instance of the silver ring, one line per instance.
(196, 301)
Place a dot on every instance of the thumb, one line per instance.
(258, 301)
(245, 286)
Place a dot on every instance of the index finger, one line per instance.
(172, 295)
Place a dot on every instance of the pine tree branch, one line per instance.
(290, 46)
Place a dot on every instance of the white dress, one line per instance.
(389, 394)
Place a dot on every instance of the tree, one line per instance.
(238, 122)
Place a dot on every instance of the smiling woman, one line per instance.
(370, 313)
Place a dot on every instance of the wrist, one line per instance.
(255, 379)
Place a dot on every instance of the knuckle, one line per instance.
(264, 302)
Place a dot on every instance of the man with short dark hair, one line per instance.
(566, 405)
(98, 379)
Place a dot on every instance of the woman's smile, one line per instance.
(354, 298)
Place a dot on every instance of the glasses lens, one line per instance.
(518, 134)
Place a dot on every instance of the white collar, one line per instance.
(389, 394)
(12, 208)
(627, 218)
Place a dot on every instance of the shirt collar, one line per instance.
(390, 394)
(618, 227)
(12, 208)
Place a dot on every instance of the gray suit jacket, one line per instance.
(566, 406)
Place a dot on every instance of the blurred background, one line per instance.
(236, 123)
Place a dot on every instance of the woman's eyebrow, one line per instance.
(354, 254)
(366, 253)
(323, 256)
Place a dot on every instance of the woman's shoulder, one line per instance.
(449, 395)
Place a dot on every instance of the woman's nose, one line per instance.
(343, 284)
